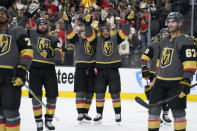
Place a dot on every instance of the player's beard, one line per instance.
(3, 21)
(43, 31)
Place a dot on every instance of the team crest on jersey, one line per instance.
(43, 43)
(89, 49)
(166, 57)
(108, 48)
(5, 43)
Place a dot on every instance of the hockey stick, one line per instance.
(146, 105)
(33, 94)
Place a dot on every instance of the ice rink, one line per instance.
(134, 117)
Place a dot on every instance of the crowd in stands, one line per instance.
(144, 11)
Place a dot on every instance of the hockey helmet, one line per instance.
(164, 30)
(41, 21)
(2, 8)
(104, 28)
(174, 16)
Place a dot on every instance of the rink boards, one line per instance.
(132, 84)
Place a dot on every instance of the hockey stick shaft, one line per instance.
(146, 105)
(40, 101)
(169, 99)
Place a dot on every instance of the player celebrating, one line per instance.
(15, 59)
(177, 56)
(150, 56)
(107, 63)
(84, 72)
(42, 71)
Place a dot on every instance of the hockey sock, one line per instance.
(37, 109)
(2, 122)
(180, 121)
(88, 101)
(116, 102)
(80, 102)
(12, 120)
(153, 123)
(51, 106)
(100, 99)
(180, 125)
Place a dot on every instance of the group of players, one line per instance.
(172, 63)
(22, 51)
(36, 50)
(97, 63)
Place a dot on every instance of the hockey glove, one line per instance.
(47, 53)
(184, 86)
(145, 72)
(130, 16)
(147, 91)
(66, 17)
(20, 77)
(87, 19)
(31, 11)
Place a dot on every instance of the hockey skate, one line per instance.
(80, 118)
(166, 120)
(39, 125)
(86, 118)
(49, 126)
(118, 118)
(98, 118)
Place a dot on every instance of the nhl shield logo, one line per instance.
(166, 57)
(89, 49)
(108, 48)
(43, 43)
(5, 43)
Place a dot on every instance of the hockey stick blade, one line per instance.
(146, 105)
(141, 102)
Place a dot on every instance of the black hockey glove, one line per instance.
(147, 91)
(66, 17)
(145, 72)
(129, 17)
(31, 11)
(184, 86)
(87, 19)
(20, 76)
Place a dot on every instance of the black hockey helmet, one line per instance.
(41, 21)
(104, 28)
(2, 8)
(174, 16)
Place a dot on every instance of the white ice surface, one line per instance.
(134, 117)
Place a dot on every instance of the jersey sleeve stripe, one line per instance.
(26, 53)
(70, 35)
(189, 65)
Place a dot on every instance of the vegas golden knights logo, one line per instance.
(108, 48)
(123, 47)
(89, 49)
(5, 43)
(166, 57)
(43, 43)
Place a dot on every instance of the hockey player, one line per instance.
(84, 72)
(15, 59)
(177, 56)
(107, 63)
(150, 56)
(42, 71)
